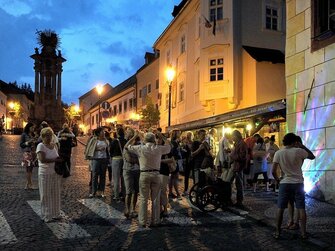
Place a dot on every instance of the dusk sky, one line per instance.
(103, 41)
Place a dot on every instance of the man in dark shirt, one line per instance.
(239, 161)
(198, 154)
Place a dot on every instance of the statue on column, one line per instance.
(48, 69)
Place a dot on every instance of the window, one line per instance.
(149, 88)
(199, 27)
(120, 107)
(168, 57)
(215, 10)
(92, 120)
(197, 87)
(125, 105)
(323, 23)
(157, 83)
(216, 69)
(115, 111)
(97, 117)
(271, 19)
(130, 103)
(182, 44)
(144, 94)
(181, 92)
(140, 93)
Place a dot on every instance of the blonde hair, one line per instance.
(190, 133)
(45, 131)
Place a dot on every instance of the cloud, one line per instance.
(116, 48)
(137, 61)
(102, 41)
(15, 8)
(115, 68)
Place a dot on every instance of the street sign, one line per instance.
(105, 114)
(105, 105)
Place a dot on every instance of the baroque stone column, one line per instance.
(48, 68)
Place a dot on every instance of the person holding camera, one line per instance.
(149, 155)
(288, 162)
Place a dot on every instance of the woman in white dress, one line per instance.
(48, 181)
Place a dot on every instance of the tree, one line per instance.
(71, 113)
(150, 114)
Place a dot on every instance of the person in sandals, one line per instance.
(288, 161)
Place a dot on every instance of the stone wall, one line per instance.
(310, 87)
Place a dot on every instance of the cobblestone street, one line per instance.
(99, 224)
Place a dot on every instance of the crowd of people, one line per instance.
(146, 165)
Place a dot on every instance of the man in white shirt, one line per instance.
(149, 156)
(291, 185)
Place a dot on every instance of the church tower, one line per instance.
(48, 80)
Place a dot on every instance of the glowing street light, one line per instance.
(11, 105)
(99, 89)
(14, 109)
(170, 74)
(76, 109)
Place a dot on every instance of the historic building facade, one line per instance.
(148, 82)
(310, 78)
(228, 56)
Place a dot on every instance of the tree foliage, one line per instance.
(150, 114)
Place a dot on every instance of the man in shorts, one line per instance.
(288, 161)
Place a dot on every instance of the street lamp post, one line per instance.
(99, 91)
(170, 73)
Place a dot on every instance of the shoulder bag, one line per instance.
(62, 169)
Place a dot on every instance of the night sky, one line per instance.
(103, 41)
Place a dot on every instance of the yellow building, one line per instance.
(148, 82)
(229, 62)
(310, 80)
(88, 103)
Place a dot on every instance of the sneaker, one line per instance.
(91, 195)
(103, 195)
(179, 197)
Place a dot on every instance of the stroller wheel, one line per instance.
(193, 194)
(208, 199)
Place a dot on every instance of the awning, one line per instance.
(263, 110)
